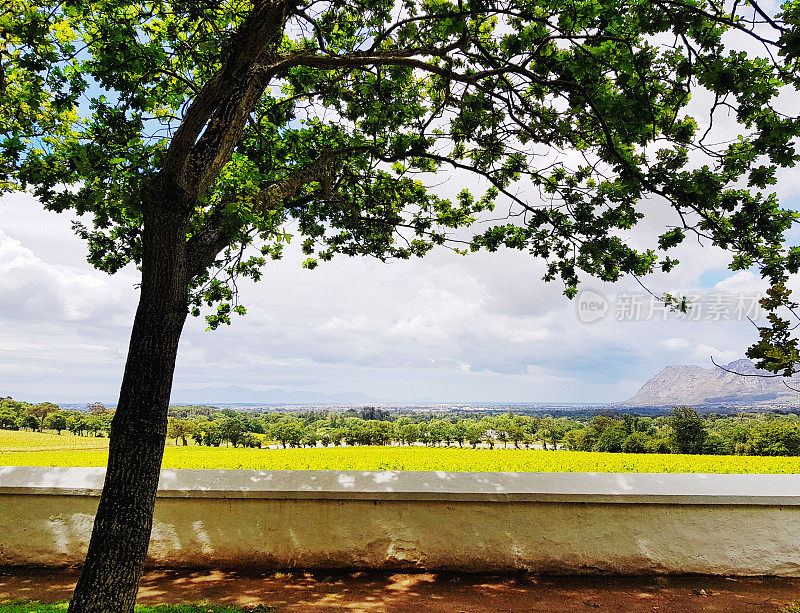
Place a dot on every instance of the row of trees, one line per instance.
(352, 428)
(237, 430)
(685, 431)
(17, 415)
(682, 431)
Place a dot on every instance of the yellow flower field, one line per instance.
(16, 440)
(422, 458)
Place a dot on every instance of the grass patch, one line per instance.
(19, 440)
(424, 459)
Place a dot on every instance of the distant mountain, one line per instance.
(242, 395)
(696, 386)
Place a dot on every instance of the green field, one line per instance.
(19, 448)
(18, 440)
(421, 458)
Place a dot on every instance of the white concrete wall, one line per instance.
(482, 522)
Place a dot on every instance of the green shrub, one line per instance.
(715, 444)
(612, 439)
(688, 433)
(776, 438)
(657, 445)
(636, 442)
(580, 439)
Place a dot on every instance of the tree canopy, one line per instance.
(328, 121)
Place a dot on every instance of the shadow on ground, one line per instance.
(362, 591)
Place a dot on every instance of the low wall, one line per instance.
(478, 522)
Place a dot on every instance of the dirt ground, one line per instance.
(430, 592)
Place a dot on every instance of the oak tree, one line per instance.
(41, 411)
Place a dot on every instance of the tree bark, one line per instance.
(111, 573)
(201, 146)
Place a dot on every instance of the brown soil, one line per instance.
(297, 591)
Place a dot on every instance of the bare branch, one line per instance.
(741, 374)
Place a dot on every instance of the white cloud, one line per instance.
(482, 327)
(675, 343)
(33, 288)
(744, 282)
(721, 356)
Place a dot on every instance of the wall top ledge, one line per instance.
(632, 488)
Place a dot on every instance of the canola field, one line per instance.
(17, 440)
(411, 458)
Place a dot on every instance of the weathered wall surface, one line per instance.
(482, 522)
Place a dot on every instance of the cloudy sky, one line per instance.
(444, 329)
(447, 328)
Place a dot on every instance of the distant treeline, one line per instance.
(683, 430)
(16, 415)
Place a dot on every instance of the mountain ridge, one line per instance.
(739, 382)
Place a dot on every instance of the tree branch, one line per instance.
(225, 101)
(741, 374)
(202, 248)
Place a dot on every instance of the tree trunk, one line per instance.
(113, 568)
